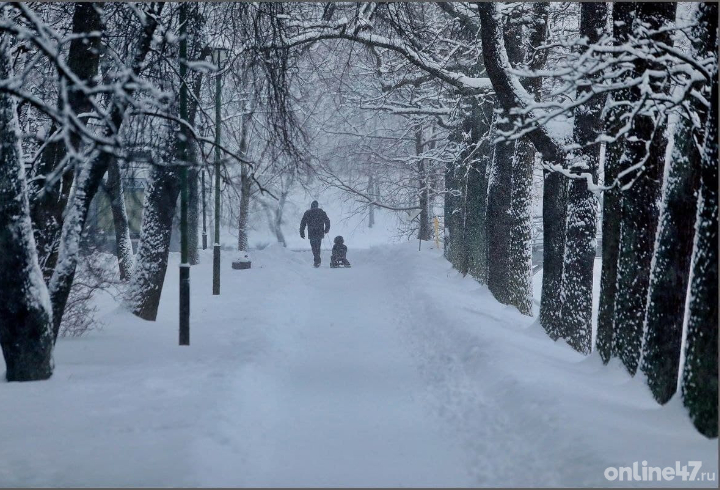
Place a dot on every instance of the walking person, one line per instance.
(318, 224)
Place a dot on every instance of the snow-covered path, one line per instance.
(340, 400)
(397, 372)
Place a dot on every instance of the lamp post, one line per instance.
(204, 232)
(219, 55)
(184, 334)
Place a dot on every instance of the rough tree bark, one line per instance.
(26, 335)
(581, 219)
(640, 203)
(508, 219)
(454, 216)
(519, 283)
(193, 209)
(245, 188)
(623, 15)
(161, 198)
(553, 217)
(479, 127)
(700, 376)
(498, 224)
(123, 244)
(520, 251)
(424, 231)
(670, 274)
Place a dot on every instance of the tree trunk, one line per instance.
(669, 277)
(671, 268)
(581, 221)
(520, 251)
(49, 200)
(424, 230)
(553, 216)
(508, 216)
(146, 285)
(454, 217)
(623, 17)
(245, 187)
(371, 208)
(123, 244)
(640, 207)
(87, 181)
(26, 335)
(480, 130)
(700, 376)
(193, 216)
(497, 221)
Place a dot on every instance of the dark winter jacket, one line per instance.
(339, 251)
(317, 222)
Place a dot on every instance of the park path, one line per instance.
(338, 399)
(396, 372)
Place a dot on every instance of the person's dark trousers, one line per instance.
(315, 244)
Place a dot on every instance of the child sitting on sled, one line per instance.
(339, 252)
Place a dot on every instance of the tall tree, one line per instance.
(245, 185)
(500, 217)
(123, 244)
(90, 174)
(424, 232)
(49, 197)
(700, 376)
(623, 15)
(645, 146)
(520, 251)
(581, 221)
(26, 335)
(454, 217)
(498, 210)
(161, 197)
(670, 273)
(478, 127)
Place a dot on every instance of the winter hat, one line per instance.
(314, 204)
(339, 240)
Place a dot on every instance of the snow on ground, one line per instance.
(397, 372)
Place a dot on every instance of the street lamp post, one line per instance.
(219, 56)
(184, 334)
(204, 232)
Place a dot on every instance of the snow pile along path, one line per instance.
(397, 372)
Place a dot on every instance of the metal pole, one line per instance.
(216, 245)
(204, 232)
(182, 147)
